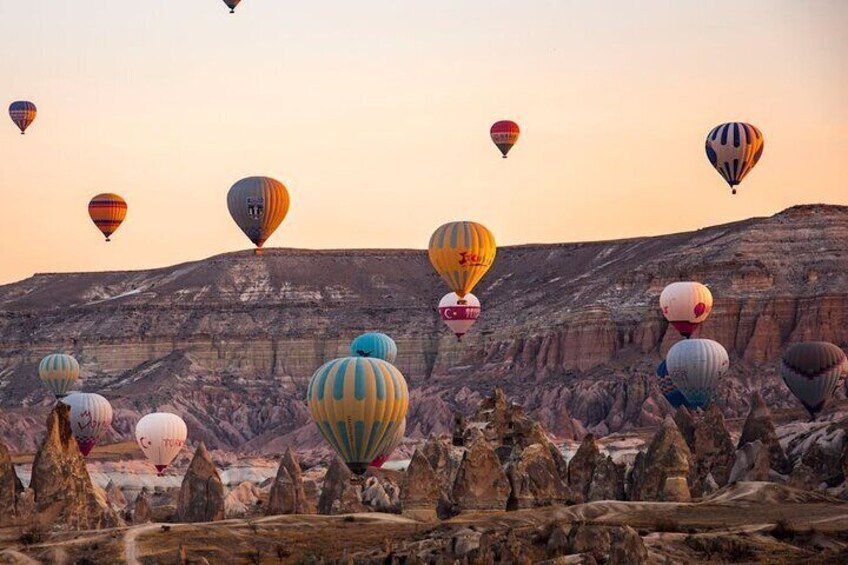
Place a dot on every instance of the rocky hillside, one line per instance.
(572, 330)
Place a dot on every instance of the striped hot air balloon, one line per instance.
(462, 252)
(733, 149)
(459, 314)
(91, 418)
(23, 114)
(686, 305)
(812, 371)
(258, 205)
(505, 134)
(231, 4)
(667, 388)
(59, 372)
(358, 403)
(107, 211)
(376, 345)
(695, 366)
(395, 442)
(161, 436)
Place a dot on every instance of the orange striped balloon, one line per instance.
(462, 252)
(107, 211)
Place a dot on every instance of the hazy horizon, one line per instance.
(376, 117)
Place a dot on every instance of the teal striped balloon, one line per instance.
(376, 345)
(358, 403)
(59, 372)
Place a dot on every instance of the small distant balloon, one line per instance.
(695, 366)
(686, 305)
(91, 417)
(258, 205)
(376, 345)
(734, 149)
(231, 4)
(462, 252)
(23, 114)
(107, 211)
(811, 371)
(59, 373)
(505, 134)
(161, 436)
(459, 314)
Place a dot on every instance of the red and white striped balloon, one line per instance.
(459, 314)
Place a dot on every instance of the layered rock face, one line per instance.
(760, 427)
(661, 472)
(287, 493)
(10, 487)
(201, 496)
(572, 330)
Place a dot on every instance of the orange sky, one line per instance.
(376, 115)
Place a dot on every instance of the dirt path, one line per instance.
(130, 546)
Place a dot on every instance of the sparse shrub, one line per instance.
(282, 552)
(349, 519)
(783, 530)
(32, 535)
(254, 557)
(166, 528)
(727, 549)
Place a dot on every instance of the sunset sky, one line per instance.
(376, 113)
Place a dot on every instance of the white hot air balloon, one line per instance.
(161, 436)
(91, 416)
(686, 305)
(695, 366)
(459, 314)
(59, 373)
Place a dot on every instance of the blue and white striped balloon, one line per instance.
(695, 366)
(59, 372)
(733, 149)
(376, 345)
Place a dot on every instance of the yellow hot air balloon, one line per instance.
(258, 205)
(462, 252)
(358, 403)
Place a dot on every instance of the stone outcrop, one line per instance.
(803, 478)
(713, 452)
(201, 497)
(581, 468)
(242, 501)
(340, 493)
(660, 473)
(607, 480)
(445, 461)
(751, 463)
(380, 495)
(142, 510)
(421, 489)
(10, 487)
(534, 478)
(115, 497)
(287, 492)
(686, 424)
(760, 427)
(481, 483)
(64, 494)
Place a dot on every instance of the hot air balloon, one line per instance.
(667, 388)
(358, 403)
(686, 305)
(391, 446)
(231, 4)
(107, 211)
(258, 205)
(505, 134)
(733, 149)
(91, 416)
(695, 366)
(59, 372)
(812, 371)
(23, 114)
(459, 314)
(462, 252)
(161, 436)
(376, 345)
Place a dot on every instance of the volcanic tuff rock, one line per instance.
(534, 478)
(340, 495)
(64, 494)
(571, 330)
(751, 463)
(759, 426)
(713, 452)
(421, 490)
(201, 496)
(242, 501)
(10, 486)
(445, 461)
(660, 472)
(481, 483)
(141, 511)
(581, 468)
(287, 493)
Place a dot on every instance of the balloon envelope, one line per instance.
(686, 305)
(812, 371)
(91, 417)
(376, 345)
(462, 252)
(396, 440)
(161, 436)
(667, 388)
(59, 372)
(505, 134)
(231, 4)
(358, 403)
(258, 205)
(459, 314)
(23, 114)
(695, 366)
(107, 211)
(733, 149)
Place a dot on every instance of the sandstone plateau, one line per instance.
(572, 330)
